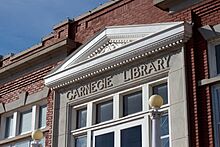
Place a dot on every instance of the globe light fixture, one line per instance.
(36, 135)
(155, 102)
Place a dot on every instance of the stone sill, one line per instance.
(209, 81)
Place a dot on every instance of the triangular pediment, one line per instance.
(114, 43)
(112, 38)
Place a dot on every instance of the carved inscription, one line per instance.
(90, 88)
(133, 73)
(145, 69)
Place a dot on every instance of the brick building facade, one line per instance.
(23, 91)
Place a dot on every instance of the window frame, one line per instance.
(117, 131)
(95, 121)
(20, 120)
(79, 136)
(3, 124)
(165, 108)
(118, 119)
(34, 108)
(38, 116)
(216, 118)
(123, 96)
(212, 57)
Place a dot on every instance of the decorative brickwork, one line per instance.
(127, 12)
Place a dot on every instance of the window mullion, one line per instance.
(117, 137)
(145, 95)
(16, 123)
(146, 131)
(89, 138)
(89, 114)
(34, 118)
(116, 107)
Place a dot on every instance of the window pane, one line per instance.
(81, 141)
(131, 137)
(217, 54)
(42, 142)
(81, 118)
(165, 142)
(106, 140)
(23, 144)
(164, 125)
(9, 126)
(42, 116)
(162, 91)
(25, 121)
(104, 111)
(216, 113)
(132, 103)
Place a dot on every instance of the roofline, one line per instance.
(99, 8)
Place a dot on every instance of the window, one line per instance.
(214, 58)
(217, 58)
(164, 125)
(162, 91)
(23, 144)
(9, 126)
(42, 116)
(104, 111)
(131, 137)
(106, 140)
(216, 113)
(102, 119)
(132, 103)
(42, 142)
(25, 121)
(80, 141)
(81, 118)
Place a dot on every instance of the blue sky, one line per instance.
(24, 22)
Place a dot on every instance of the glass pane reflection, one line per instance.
(81, 141)
(81, 118)
(131, 137)
(132, 103)
(106, 140)
(164, 125)
(104, 111)
(162, 91)
(165, 142)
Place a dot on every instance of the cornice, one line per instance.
(142, 48)
(116, 65)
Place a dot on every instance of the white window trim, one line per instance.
(216, 119)
(117, 131)
(118, 120)
(38, 116)
(212, 57)
(3, 125)
(16, 120)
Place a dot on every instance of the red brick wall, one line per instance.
(143, 12)
(126, 12)
(129, 12)
(32, 83)
(199, 98)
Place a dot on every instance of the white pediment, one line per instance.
(115, 43)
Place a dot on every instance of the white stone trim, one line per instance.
(121, 122)
(118, 64)
(169, 35)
